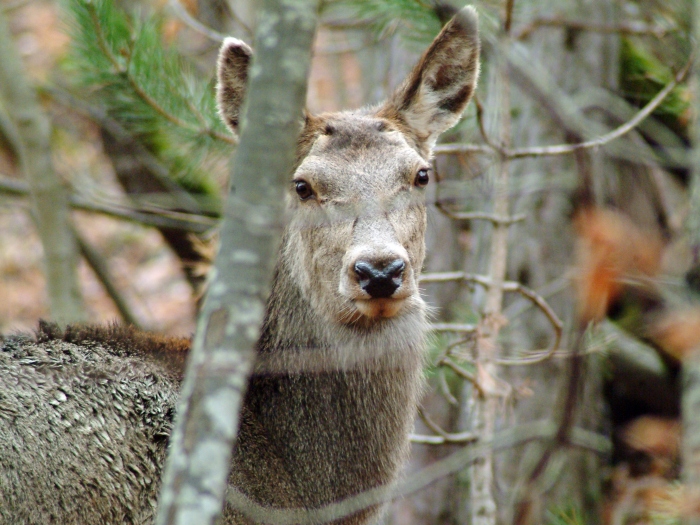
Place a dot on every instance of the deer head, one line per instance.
(354, 242)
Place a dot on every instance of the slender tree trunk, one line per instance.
(196, 473)
(488, 398)
(49, 194)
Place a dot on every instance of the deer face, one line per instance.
(354, 244)
(355, 239)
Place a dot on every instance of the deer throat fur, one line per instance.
(329, 408)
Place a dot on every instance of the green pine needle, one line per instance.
(148, 88)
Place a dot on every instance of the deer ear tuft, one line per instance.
(433, 97)
(232, 78)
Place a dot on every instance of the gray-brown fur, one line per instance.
(85, 414)
(85, 417)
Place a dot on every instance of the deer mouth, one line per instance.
(379, 308)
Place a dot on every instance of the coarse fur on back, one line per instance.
(328, 410)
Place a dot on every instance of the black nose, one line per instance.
(380, 282)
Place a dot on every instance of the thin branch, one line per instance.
(458, 149)
(452, 327)
(461, 372)
(450, 439)
(537, 300)
(193, 23)
(509, 16)
(157, 218)
(182, 199)
(98, 265)
(631, 28)
(248, 30)
(478, 216)
(568, 149)
(561, 438)
(508, 286)
(482, 128)
(445, 388)
(443, 437)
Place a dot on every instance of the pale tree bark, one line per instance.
(223, 351)
(49, 194)
(484, 405)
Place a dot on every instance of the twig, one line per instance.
(507, 286)
(461, 372)
(458, 149)
(478, 216)
(443, 437)
(182, 199)
(158, 219)
(452, 400)
(248, 30)
(98, 266)
(560, 439)
(567, 149)
(193, 23)
(482, 128)
(537, 300)
(452, 327)
(624, 29)
(509, 16)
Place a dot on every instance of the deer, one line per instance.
(86, 411)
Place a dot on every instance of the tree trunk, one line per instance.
(197, 470)
(49, 194)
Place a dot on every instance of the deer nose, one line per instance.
(380, 282)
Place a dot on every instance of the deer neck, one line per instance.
(297, 338)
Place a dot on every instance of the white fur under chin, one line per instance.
(396, 342)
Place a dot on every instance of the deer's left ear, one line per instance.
(232, 78)
(433, 97)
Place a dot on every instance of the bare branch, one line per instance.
(562, 436)
(508, 286)
(461, 372)
(632, 28)
(568, 149)
(452, 327)
(193, 23)
(478, 216)
(443, 437)
(98, 265)
(159, 218)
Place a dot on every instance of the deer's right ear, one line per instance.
(433, 97)
(232, 78)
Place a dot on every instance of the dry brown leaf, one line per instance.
(654, 435)
(610, 248)
(677, 331)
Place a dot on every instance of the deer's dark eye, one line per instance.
(422, 178)
(303, 189)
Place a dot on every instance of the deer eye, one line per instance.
(303, 189)
(422, 178)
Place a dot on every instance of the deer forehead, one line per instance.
(357, 156)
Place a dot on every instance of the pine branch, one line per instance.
(149, 89)
(417, 19)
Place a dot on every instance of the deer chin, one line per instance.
(379, 308)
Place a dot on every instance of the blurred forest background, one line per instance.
(563, 199)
